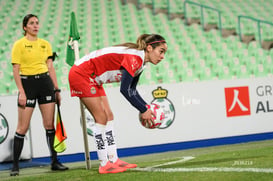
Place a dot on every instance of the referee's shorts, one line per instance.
(38, 87)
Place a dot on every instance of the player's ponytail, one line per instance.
(141, 43)
(144, 40)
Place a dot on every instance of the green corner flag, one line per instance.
(73, 35)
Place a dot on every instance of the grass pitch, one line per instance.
(247, 161)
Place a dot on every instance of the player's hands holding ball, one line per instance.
(147, 117)
(153, 117)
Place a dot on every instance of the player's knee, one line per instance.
(22, 130)
(100, 118)
(48, 125)
(110, 116)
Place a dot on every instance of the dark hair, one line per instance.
(144, 40)
(25, 21)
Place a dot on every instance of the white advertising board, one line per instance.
(195, 111)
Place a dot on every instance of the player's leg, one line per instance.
(95, 107)
(47, 111)
(90, 95)
(24, 117)
(109, 130)
(110, 137)
(46, 100)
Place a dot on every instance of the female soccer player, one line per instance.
(121, 63)
(35, 78)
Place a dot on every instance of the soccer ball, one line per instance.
(158, 120)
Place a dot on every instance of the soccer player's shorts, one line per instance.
(84, 86)
(38, 87)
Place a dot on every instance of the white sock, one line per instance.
(99, 132)
(110, 141)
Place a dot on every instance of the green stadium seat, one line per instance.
(228, 22)
(245, 71)
(193, 55)
(205, 73)
(224, 73)
(159, 5)
(268, 34)
(175, 7)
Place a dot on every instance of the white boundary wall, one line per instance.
(200, 113)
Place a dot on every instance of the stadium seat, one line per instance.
(193, 55)
(175, 8)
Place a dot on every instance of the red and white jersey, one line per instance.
(105, 65)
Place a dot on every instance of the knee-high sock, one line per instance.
(50, 135)
(99, 137)
(111, 143)
(17, 147)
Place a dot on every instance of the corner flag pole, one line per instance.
(84, 130)
(72, 55)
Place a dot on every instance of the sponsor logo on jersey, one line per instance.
(28, 46)
(48, 98)
(76, 92)
(30, 101)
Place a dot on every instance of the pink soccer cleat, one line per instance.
(124, 164)
(111, 168)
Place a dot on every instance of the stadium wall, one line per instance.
(199, 113)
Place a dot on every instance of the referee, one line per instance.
(35, 78)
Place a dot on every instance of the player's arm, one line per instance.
(129, 93)
(133, 87)
(52, 73)
(128, 89)
(16, 66)
(53, 76)
(22, 99)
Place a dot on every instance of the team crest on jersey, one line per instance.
(93, 90)
(160, 98)
(134, 64)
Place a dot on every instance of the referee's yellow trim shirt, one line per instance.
(31, 55)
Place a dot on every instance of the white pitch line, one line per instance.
(184, 159)
(200, 169)
(207, 169)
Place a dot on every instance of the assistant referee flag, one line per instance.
(60, 133)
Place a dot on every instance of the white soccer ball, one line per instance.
(158, 120)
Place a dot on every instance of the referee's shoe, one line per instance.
(15, 170)
(56, 165)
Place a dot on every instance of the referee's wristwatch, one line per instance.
(57, 90)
